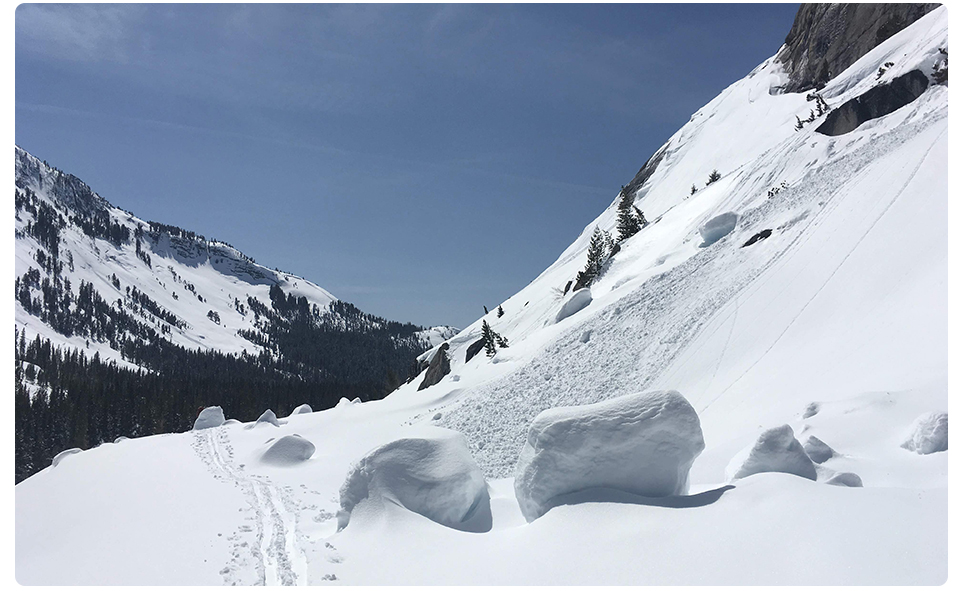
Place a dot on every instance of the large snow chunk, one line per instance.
(579, 300)
(845, 479)
(817, 450)
(776, 450)
(718, 227)
(302, 409)
(928, 434)
(268, 417)
(432, 474)
(67, 452)
(288, 450)
(212, 416)
(640, 443)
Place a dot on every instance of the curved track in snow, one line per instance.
(278, 557)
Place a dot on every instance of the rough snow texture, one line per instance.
(718, 227)
(302, 409)
(844, 479)
(67, 452)
(641, 443)
(433, 475)
(817, 450)
(579, 300)
(288, 450)
(928, 434)
(211, 416)
(776, 450)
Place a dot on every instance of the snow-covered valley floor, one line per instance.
(834, 325)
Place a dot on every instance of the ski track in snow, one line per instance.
(622, 357)
(277, 555)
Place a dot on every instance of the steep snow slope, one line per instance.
(833, 325)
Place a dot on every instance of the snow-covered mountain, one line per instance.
(797, 303)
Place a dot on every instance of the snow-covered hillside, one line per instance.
(817, 353)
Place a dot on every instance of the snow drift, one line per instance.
(641, 443)
(432, 474)
(776, 450)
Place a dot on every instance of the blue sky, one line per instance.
(419, 161)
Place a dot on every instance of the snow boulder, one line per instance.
(718, 227)
(844, 479)
(643, 444)
(344, 402)
(776, 450)
(119, 439)
(579, 300)
(928, 434)
(817, 450)
(288, 450)
(67, 452)
(302, 410)
(211, 416)
(432, 474)
(267, 418)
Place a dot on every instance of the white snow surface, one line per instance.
(834, 325)
(776, 450)
(928, 434)
(642, 444)
(432, 474)
(211, 416)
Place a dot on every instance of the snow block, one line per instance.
(928, 434)
(301, 410)
(844, 479)
(67, 452)
(211, 416)
(776, 450)
(432, 474)
(267, 417)
(642, 444)
(343, 403)
(718, 227)
(817, 450)
(119, 439)
(288, 450)
(579, 300)
(356, 400)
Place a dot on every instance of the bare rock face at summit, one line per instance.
(827, 38)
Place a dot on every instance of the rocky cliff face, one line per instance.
(827, 38)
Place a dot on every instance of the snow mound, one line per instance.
(641, 443)
(344, 402)
(845, 479)
(67, 452)
(302, 409)
(288, 450)
(928, 434)
(119, 439)
(718, 227)
(775, 450)
(817, 450)
(432, 474)
(231, 422)
(268, 417)
(356, 400)
(579, 300)
(211, 416)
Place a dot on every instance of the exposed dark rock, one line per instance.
(439, 367)
(876, 102)
(648, 168)
(827, 38)
(474, 348)
(566, 288)
(761, 235)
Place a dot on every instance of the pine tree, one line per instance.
(489, 340)
(596, 257)
(500, 311)
(715, 176)
(627, 222)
